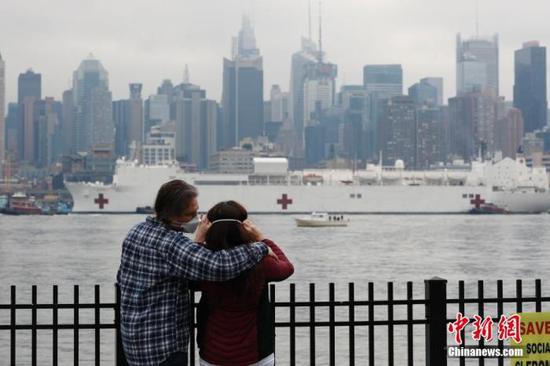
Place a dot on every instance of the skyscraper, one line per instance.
(29, 90)
(128, 120)
(121, 120)
(157, 111)
(196, 125)
(397, 131)
(472, 119)
(355, 103)
(27, 134)
(319, 90)
(381, 82)
(246, 42)
(299, 62)
(509, 133)
(279, 104)
(47, 132)
(437, 83)
(423, 94)
(166, 88)
(242, 95)
(477, 65)
(29, 84)
(429, 136)
(93, 101)
(11, 123)
(2, 111)
(314, 143)
(385, 81)
(312, 91)
(69, 120)
(42, 138)
(276, 112)
(530, 85)
(135, 108)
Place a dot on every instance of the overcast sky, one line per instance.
(146, 41)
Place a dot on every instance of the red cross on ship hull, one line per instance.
(284, 201)
(101, 201)
(477, 201)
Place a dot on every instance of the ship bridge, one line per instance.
(269, 171)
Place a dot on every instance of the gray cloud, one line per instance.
(144, 41)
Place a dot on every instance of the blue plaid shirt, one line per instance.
(155, 266)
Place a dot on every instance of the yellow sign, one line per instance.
(535, 340)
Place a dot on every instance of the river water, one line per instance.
(85, 250)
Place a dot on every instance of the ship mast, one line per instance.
(379, 169)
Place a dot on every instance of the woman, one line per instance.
(235, 321)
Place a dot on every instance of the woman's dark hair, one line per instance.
(173, 198)
(229, 234)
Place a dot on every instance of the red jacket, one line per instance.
(236, 327)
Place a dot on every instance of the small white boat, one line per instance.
(321, 219)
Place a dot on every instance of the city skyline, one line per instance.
(355, 33)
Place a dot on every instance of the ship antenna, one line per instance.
(381, 181)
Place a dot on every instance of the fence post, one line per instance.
(120, 357)
(436, 327)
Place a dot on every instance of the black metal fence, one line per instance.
(365, 321)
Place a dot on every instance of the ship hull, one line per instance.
(296, 199)
(319, 223)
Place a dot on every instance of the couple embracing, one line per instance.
(229, 261)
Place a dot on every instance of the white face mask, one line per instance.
(191, 225)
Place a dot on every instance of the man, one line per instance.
(156, 263)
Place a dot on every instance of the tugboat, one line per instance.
(53, 205)
(322, 219)
(63, 208)
(20, 204)
(56, 208)
(488, 209)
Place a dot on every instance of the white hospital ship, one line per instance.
(272, 188)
